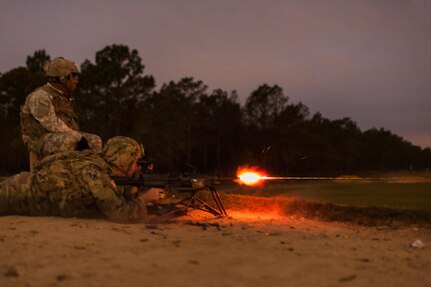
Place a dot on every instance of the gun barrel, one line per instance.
(179, 182)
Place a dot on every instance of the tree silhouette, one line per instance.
(15, 85)
(167, 119)
(112, 91)
(219, 128)
(261, 110)
(183, 123)
(36, 62)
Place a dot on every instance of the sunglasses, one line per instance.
(74, 75)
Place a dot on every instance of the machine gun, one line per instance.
(188, 185)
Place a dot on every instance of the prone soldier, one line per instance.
(79, 184)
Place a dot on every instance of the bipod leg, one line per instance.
(218, 201)
(195, 202)
(205, 207)
(164, 217)
(198, 203)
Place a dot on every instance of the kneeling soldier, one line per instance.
(48, 121)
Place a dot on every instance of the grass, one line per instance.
(412, 195)
(368, 216)
(404, 199)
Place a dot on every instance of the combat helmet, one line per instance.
(121, 152)
(60, 68)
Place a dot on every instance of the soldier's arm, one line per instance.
(42, 108)
(110, 202)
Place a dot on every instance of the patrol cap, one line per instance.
(121, 152)
(60, 67)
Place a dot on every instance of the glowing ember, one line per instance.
(250, 176)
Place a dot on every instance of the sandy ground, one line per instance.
(198, 250)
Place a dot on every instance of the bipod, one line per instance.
(195, 202)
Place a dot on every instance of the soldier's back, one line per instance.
(59, 184)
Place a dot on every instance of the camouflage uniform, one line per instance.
(12, 192)
(48, 121)
(75, 184)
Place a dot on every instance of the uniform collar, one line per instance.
(62, 91)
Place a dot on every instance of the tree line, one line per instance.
(183, 123)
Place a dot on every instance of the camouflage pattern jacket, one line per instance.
(70, 184)
(46, 110)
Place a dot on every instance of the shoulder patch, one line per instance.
(40, 103)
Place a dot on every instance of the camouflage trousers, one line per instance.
(14, 193)
(20, 196)
(56, 142)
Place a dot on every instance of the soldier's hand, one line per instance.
(152, 195)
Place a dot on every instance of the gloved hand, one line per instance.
(82, 144)
(151, 195)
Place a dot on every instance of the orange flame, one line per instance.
(250, 175)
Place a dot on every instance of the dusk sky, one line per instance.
(367, 60)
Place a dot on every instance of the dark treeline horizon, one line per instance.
(183, 123)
